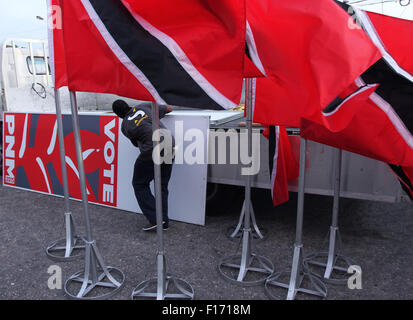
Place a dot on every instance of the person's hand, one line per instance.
(169, 109)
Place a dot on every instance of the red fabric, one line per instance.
(340, 118)
(308, 51)
(215, 45)
(287, 169)
(250, 70)
(397, 36)
(56, 42)
(370, 133)
(92, 67)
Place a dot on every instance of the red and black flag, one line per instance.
(307, 51)
(183, 52)
(374, 117)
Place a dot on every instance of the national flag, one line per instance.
(380, 125)
(183, 52)
(309, 54)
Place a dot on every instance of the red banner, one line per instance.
(32, 158)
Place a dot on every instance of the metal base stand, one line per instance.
(164, 286)
(250, 268)
(334, 262)
(95, 276)
(97, 280)
(300, 279)
(236, 233)
(69, 248)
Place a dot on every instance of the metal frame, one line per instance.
(68, 248)
(162, 282)
(95, 272)
(237, 232)
(245, 262)
(299, 275)
(334, 262)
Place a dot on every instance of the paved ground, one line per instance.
(378, 236)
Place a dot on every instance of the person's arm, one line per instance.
(163, 110)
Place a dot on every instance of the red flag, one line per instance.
(380, 125)
(282, 163)
(184, 52)
(56, 47)
(307, 49)
(397, 38)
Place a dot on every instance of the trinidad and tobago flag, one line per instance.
(374, 116)
(183, 52)
(344, 85)
(308, 53)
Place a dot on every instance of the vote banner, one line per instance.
(31, 155)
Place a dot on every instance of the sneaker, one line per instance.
(149, 227)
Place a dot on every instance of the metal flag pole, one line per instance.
(248, 262)
(334, 262)
(71, 247)
(96, 275)
(167, 286)
(298, 275)
(237, 232)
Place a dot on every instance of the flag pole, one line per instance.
(183, 290)
(300, 279)
(71, 247)
(237, 232)
(334, 262)
(248, 262)
(96, 274)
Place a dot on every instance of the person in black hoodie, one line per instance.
(137, 127)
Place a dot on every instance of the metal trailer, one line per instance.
(363, 178)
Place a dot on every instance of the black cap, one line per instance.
(120, 108)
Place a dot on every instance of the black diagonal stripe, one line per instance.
(398, 170)
(394, 88)
(345, 6)
(338, 101)
(272, 146)
(167, 76)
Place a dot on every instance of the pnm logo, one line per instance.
(10, 154)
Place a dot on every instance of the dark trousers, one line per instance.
(143, 174)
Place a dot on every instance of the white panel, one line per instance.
(187, 187)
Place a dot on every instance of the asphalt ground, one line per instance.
(377, 236)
